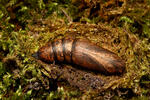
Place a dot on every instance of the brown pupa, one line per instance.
(82, 53)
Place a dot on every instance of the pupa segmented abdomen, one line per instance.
(82, 53)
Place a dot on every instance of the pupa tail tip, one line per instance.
(35, 55)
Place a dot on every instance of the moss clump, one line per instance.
(27, 25)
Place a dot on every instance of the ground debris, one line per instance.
(83, 80)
